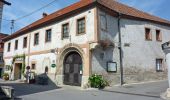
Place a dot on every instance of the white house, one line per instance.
(86, 38)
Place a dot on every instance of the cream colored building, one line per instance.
(83, 39)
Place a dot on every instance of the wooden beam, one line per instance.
(5, 2)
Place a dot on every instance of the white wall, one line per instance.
(140, 53)
(56, 42)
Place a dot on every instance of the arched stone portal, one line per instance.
(68, 50)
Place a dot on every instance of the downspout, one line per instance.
(29, 42)
(120, 50)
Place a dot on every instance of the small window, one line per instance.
(36, 39)
(1, 46)
(33, 66)
(9, 46)
(16, 44)
(1, 59)
(159, 65)
(7, 67)
(158, 35)
(103, 22)
(48, 36)
(25, 42)
(148, 35)
(81, 26)
(65, 30)
(46, 69)
(102, 56)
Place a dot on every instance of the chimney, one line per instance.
(44, 14)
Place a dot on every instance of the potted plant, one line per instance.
(6, 76)
(97, 81)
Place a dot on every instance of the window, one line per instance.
(1, 59)
(25, 42)
(1, 46)
(81, 26)
(36, 39)
(103, 22)
(7, 67)
(48, 35)
(9, 46)
(16, 44)
(65, 30)
(33, 66)
(158, 35)
(148, 35)
(159, 65)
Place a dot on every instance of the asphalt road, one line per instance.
(149, 91)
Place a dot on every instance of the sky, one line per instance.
(20, 8)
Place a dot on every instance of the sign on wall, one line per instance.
(53, 65)
(111, 66)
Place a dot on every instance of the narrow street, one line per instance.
(146, 91)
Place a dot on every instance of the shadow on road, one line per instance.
(21, 89)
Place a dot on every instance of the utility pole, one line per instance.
(2, 2)
(12, 26)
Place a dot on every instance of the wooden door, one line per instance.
(72, 69)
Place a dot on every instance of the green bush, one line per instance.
(97, 81)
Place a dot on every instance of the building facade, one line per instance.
(1, 53)
(84, 39)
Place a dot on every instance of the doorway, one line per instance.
(18, 71)
(73, 69)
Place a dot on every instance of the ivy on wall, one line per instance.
(23, 63)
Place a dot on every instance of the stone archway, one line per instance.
(66, 50)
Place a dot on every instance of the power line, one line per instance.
(14, 20)
(36, 10)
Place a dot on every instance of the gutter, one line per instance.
(120, 50)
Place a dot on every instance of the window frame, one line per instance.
(62, 28)
(35, 39)
(149, 34)
(25, 44)
(106, 27)
(16, 45)
(9, 47)
(160, 69)
(46, 35)
(158, 35)
(77, 28)
(1, 58)
(34, 66)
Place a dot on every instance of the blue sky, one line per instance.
(20, 8)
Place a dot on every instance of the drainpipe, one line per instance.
(29, 42)
(120, 50)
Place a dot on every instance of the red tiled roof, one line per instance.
(2, 35)
(130, 11)
(111, 4)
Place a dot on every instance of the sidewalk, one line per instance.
(152, 89)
